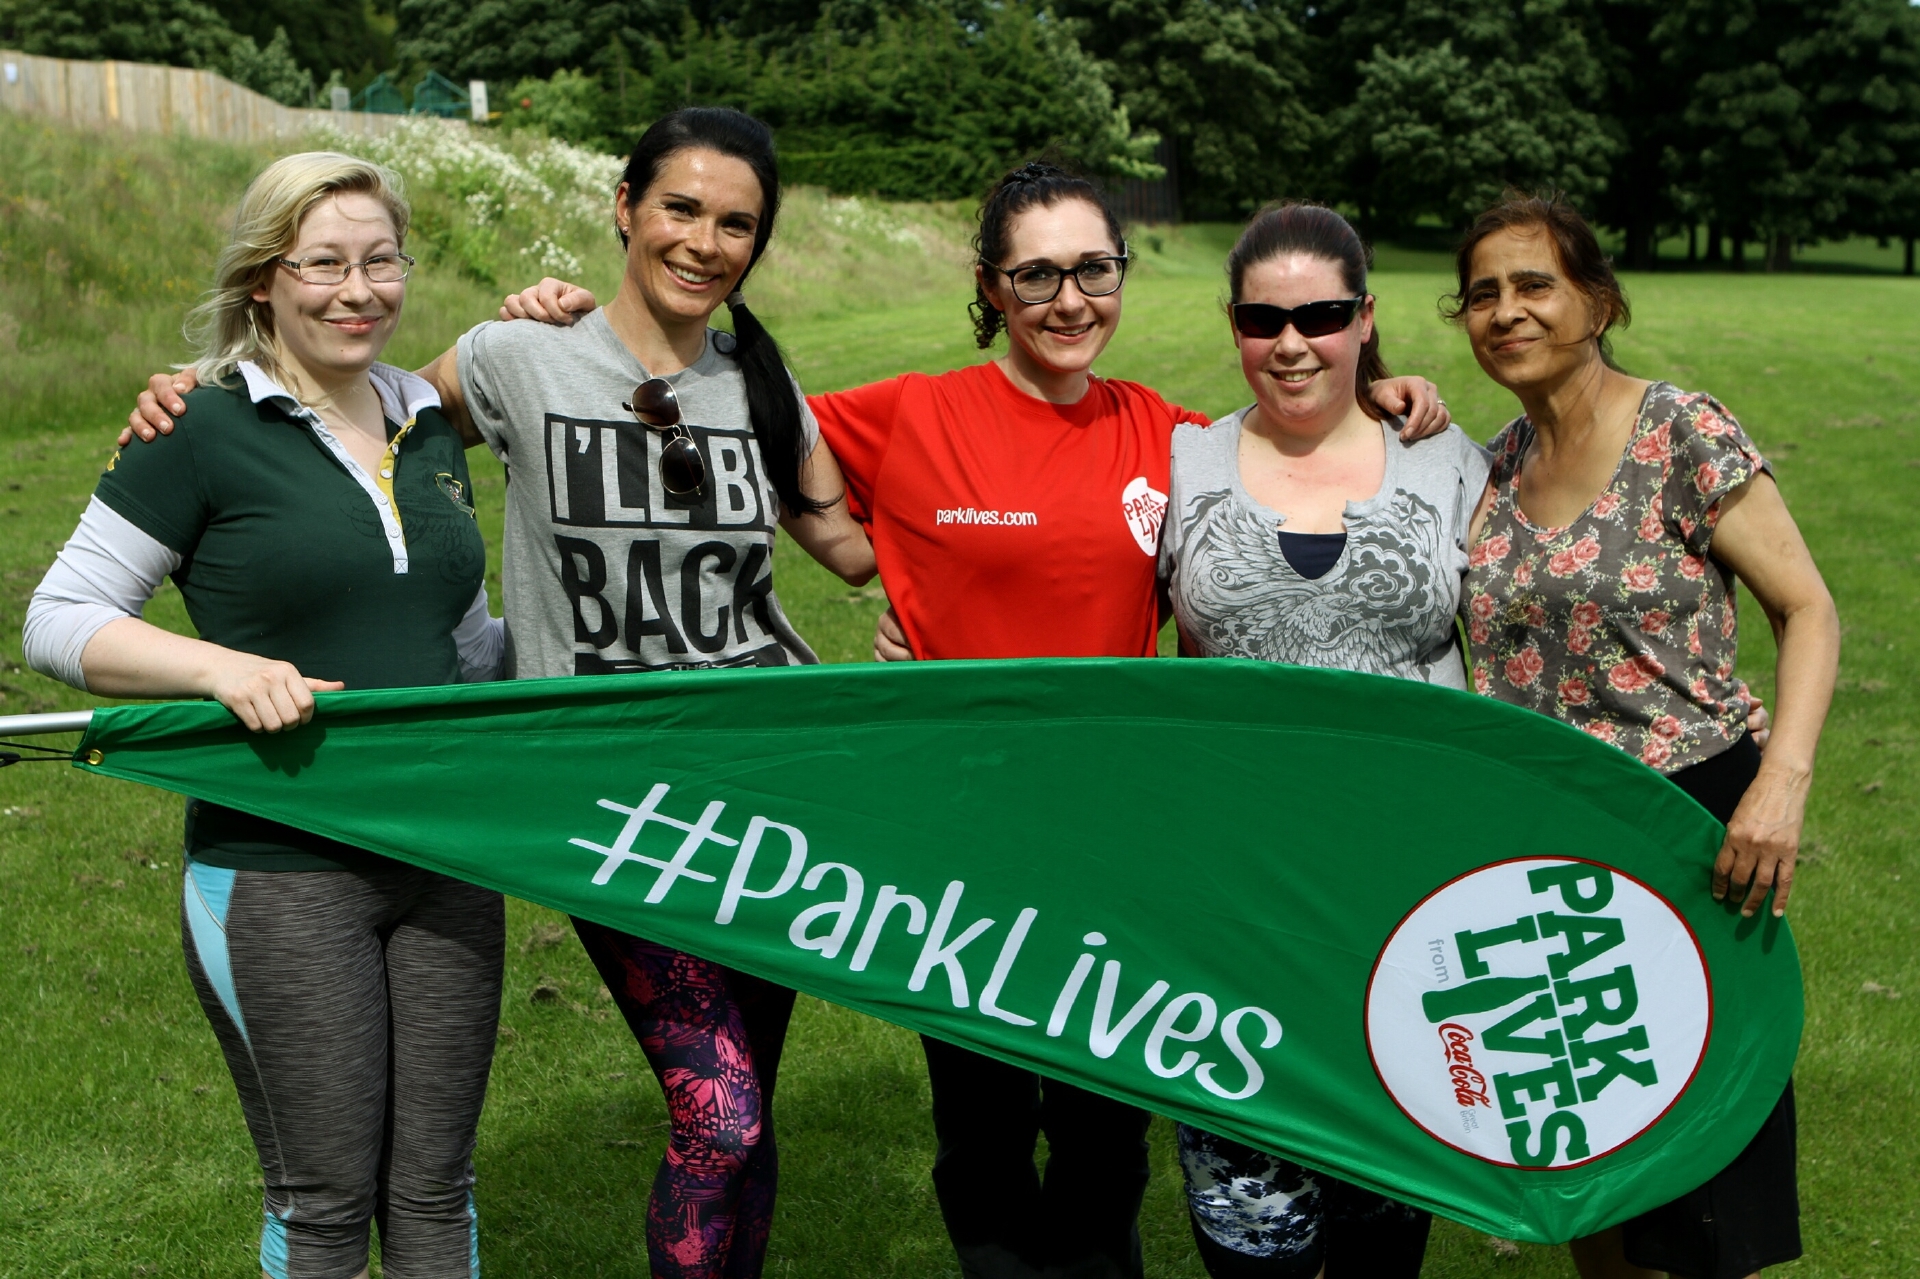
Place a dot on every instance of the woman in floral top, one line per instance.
(1620, 623)
(1600, 591)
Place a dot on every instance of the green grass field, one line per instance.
(122, 1151)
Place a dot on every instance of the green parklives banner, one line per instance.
(1441, 947)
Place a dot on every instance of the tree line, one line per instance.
(1763, 123)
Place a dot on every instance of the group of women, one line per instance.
(313, 507)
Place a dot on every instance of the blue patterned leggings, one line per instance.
(1259, 1217)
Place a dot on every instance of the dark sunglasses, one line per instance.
(682, 470)
(1313, 319)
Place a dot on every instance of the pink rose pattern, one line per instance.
(1620, 624)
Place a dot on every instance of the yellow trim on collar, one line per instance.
(383, 475)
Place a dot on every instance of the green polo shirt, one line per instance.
(288, 553)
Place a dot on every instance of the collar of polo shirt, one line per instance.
(402, 396)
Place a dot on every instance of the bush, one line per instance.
(486, 204)
(567, 105)
(272, 70)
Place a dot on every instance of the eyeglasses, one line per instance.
(1312, 319)
(682, 470)
(388, 268)
(1097, 277)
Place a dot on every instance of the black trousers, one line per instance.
(1748, 1216)
(1081, 1219)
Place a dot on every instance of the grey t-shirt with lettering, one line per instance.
(1387, 605)
(603, 571)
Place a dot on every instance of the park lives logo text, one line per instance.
(1145, 508)
(1539, 1013)
(1222, 1061)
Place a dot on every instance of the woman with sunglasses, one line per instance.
(1303, 529)
(1601, 592)
(652, 457)
(314, 511)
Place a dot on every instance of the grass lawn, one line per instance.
(122, 1151)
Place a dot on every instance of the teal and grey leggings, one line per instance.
(357, 1011)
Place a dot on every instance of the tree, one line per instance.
(1860, 68)
(1745, 136)
(321, 34)
(180, 33)
(1223, 80)
(930, 99)
(1641, 103)
(507, 40)
(271, 70)
(1456, 99)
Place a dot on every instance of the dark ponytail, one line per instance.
(1318, 232)
(1036, 184)
(773, 403)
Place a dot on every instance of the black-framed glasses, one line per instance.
(388, 268)
(1096, 278)
(682, 470)
(1312, 319)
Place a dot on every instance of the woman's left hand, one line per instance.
(1763, 842)
(550, 302)
(1415, 399)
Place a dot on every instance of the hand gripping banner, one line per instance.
(1450, 950)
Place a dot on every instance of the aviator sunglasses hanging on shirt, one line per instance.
(682, 470)
(1312, 319)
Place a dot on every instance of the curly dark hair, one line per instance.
(1588, 267)
(1036, 184)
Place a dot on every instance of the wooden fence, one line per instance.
(1157, 200)
(143, 98)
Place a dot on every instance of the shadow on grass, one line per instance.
(564, 1181)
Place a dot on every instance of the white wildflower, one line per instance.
(552, 259)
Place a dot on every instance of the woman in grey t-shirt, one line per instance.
(1301, 529)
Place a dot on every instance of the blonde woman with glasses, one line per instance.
(315, 512)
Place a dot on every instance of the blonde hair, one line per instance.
(228, 326)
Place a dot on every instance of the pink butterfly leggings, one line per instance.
(713, 1037)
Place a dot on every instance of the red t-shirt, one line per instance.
(1006, 526)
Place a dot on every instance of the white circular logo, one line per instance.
(1145, 507)
(1539, 1013)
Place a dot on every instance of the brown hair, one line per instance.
(1318, 232)
(1576, 247)
(1038, 184)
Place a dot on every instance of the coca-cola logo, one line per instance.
(1469, 1085)
(1557, 1043)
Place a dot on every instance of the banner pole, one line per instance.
(34, 725)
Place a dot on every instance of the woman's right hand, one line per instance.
(162, 397)
(889, 640)
(267, 696)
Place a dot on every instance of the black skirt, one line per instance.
(1748, 1216)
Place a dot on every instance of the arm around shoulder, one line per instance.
(444, 374)
(832, 537)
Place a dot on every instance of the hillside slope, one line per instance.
(107, 239)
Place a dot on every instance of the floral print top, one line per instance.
(1620, 623)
